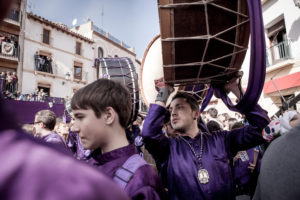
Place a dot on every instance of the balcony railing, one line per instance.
(111, 37)
(14, 15)
(278, 53)
(9, 51)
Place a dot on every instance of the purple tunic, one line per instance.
(242, 174)
(145, 183)
(179, 167)
(75, 145)
(54, 138)
(33, 170)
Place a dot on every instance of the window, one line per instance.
(100, 52)
(44, 89)
(279, 46)
(46, 36)
(78, 48)
(78, 72)
(43, 62)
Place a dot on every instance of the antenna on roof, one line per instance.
(102, 16)
(30, 6)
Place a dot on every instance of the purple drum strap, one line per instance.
(257, 71)
(125, 173)
(207, 99)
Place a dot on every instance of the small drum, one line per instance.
(151, 70)
(121, 70)
(203, 41)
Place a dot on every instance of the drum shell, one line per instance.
(122, 70)
(213, 60)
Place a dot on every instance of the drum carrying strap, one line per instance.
(257, 71)
(124, 174)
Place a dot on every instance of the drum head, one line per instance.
(152, 69)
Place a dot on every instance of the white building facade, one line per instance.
(60, 60)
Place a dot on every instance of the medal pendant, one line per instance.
(203, 176)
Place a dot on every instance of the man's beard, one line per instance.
(181, 130)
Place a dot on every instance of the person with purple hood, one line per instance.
(102, 112)
(197, 164)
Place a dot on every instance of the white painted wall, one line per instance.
(62, 48)
(109, 49)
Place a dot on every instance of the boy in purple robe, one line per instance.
(197, 164)
(102, 112)
(44, 124)
(34, 170)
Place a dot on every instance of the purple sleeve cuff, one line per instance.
(154, 121)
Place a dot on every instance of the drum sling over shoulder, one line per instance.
(125, 173)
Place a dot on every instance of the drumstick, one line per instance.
(255, 155)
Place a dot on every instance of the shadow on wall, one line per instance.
(295, 31)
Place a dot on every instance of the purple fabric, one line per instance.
(257, 70)
(75, 145)
(33, 170)
(55, 139)
(1, 85)
(145, 184)
(125, 173)
(26, 110)
(242, 173)
(207, 99)
(178, 166)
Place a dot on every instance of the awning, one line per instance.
(286, 82)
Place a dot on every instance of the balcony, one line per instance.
(9, 51)
(278, 53)
(13, 17)
(43, 63)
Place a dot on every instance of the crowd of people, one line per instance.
(210, 157)
(101, 117)
(39, 95)
(8, 83)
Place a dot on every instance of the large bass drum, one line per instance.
(121, 69)
(203, 41)
(151, 70)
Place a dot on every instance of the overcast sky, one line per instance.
(133, 21)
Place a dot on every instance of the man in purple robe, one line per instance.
(197, 164)
(102, 112)
(44, 124)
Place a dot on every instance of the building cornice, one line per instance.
(58, 27)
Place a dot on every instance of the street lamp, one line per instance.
(68, 75)
(297, 3)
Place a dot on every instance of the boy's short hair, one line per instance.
(101, 94)
(47, 117)
(189, 99)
